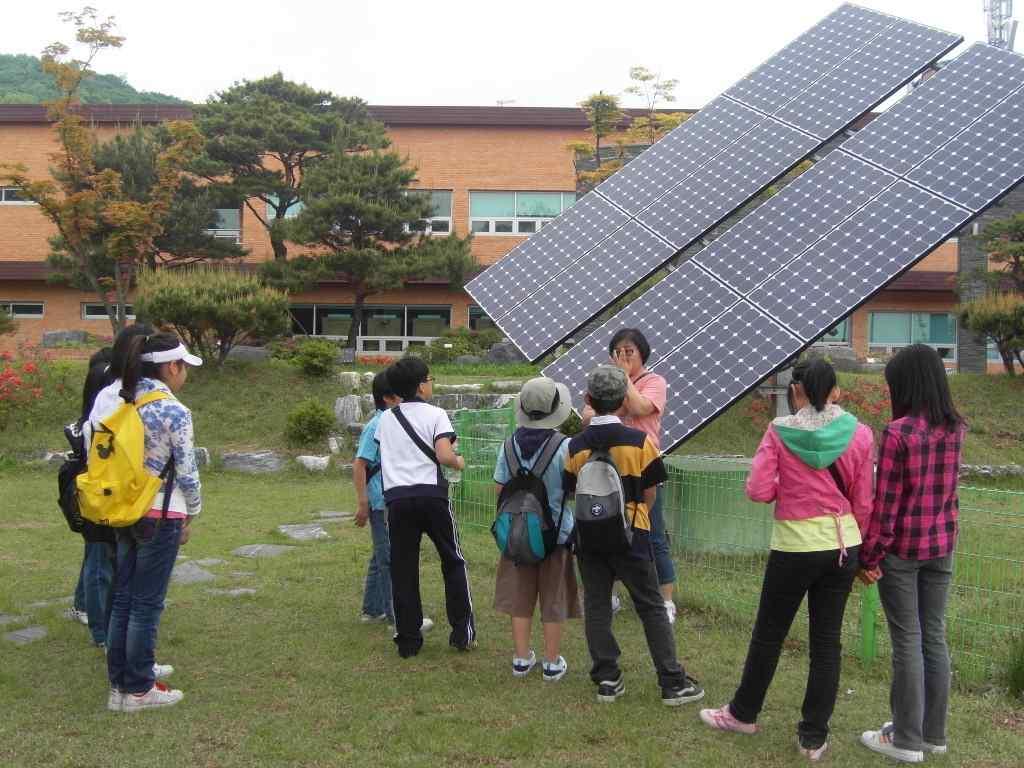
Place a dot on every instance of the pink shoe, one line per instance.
(723, 720)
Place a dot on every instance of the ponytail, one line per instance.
(818, 379)
(135, 369)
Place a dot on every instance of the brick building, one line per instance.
(500, 172)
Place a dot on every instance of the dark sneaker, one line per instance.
(609, 690)
(691, 691)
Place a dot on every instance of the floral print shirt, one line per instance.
(168, 426)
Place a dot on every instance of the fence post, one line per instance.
(869, 625)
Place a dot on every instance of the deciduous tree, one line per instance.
(652, 89)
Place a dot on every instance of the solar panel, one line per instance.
(674, 309)
(698, 175)
(828, 242)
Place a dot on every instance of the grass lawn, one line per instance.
(290, 677)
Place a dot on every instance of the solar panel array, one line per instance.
(700, 173)
(794, 267)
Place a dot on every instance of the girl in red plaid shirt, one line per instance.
(908, 549)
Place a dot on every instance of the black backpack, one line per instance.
(524, 529)
(67, 488)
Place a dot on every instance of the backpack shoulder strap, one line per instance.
(511, 458)
(150, 397)
(547, 454)
(404, 422)
(837, 478)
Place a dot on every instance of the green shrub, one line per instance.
(455, 342)
(284, 349)
(316, 357)
(309, 422)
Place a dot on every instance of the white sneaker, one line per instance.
(554, 671)
(76, 615)
(880, 741)
(521, 667)
(616, 604)
(366, 618)
(115, 701)
(814, 755)
(928, 749)
(160, 671)
(159, 695)
(426, 626)
(670, 609)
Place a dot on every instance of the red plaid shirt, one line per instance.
(916, 505)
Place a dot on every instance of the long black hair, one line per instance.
(918, 387)
(135, 368)
(95, 379)
(818, 378)
(119, 352)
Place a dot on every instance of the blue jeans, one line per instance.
(659, 542)
(377, 593)
(94, 590)
(145, 556)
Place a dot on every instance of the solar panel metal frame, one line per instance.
(563, 333)
(970, 214)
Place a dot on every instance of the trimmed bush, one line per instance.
(309, 422)
(316, 357)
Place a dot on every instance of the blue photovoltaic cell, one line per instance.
(677, 307)
(809, 207)
(679, 154)
(724, 184)
(962, 91)
(840, 272)
(561, 242)
(821, 48)
(981, 163)
(880, 67)
(688, 186)
(715, 367)
(542, 320)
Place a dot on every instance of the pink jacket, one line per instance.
(802, 491)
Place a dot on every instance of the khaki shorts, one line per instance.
(553, 580)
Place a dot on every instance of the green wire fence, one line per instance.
(720, 542)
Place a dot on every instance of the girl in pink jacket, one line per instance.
(816, 465)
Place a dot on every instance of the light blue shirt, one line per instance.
(369, 451)
(552, 478)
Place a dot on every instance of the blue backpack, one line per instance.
(524, 529)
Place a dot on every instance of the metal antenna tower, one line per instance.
(1002, 27)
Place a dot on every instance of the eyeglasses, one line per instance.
(428, 379)
(625, 352)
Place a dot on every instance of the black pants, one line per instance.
(789, 576)
(638, 574)
(408, 520)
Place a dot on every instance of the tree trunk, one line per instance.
(277, 241)
(357, 318)
(1006, 353)
(597, 150)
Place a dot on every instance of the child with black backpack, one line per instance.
(614, 471)
(532, 528)
(416, 439)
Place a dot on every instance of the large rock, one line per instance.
(253, 462)
(505, 352)
(57, 338)
(355, 428)
(348, 408)
(458, 388)
(510, 386)
(368, 377)
(314, 463)
(349, 381)
(844, 359)
(450, 402)
(304, 531)
(369, 407)
(245, 354)
(190, 573)
(262, 550)
(333, 445)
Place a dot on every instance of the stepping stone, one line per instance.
(314, 463)
(26, 635)
(253, 462)
(236, 592)
(47, 603)
(207, 562)
(10, 618)
(190, 573)
(304, 531)
(243, 574)
(262, 550)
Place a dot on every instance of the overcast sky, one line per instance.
(535, 53)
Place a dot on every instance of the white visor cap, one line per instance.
(170, 355)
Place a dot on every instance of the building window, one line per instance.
(293, 210)
(837, 334)
(23, 310)
(229, 225)
(428, 321)
(478, 319)
(891, 331)
(13, 196)
(440, 221)
(97, 312)
(515, 213)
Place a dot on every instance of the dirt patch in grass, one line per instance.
(1011, 721)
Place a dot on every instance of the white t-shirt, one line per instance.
(406, 471)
